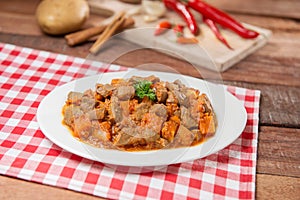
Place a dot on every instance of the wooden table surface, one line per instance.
(274, 69)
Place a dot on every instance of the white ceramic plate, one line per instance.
(230, 112)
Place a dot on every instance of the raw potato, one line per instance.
(58, 17)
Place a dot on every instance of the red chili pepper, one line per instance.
(221, 18)
(178, 29)
(162, 27)
(212, 25)
(184, 12)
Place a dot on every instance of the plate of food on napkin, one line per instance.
(141, 118)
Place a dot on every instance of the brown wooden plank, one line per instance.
(12, 188)
(26, 23)
(43, 42)
(277, 187)
(279, 8)
(279, 104)
(22, 14)
(278, 151)
(273, 23)
(18, 6)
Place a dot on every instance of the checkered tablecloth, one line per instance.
(28, 75)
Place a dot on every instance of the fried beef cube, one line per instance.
(125, 92)
(178, 94)
(161, 92)
(140, 110)
(128, 134)
(172, 86)
(89, 93)
(115, 109)
(122, 139)
(153, 122)
(87, 104)
(152, 79)
(70, 113)
(184, 137)
(74, 98)
(102, 131)
(186, 119)
(97, 114)
(104, 90)
(135, 79)
(155, 118)
(148, 132)
(160, 110)
(171, 98)
(82, 126)
(135, 136)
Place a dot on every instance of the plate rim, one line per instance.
(138, 155)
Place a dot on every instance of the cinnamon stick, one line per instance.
(84, 35)
(109, 31)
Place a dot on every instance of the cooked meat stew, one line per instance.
(140, 113)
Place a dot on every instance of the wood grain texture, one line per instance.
(27, 22)
(18, 6)
(278, 105)
(279, 8)
(23, 13)
(278, 151)
(277, 187)
(277, 24)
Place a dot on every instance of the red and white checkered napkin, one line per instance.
(27, 76)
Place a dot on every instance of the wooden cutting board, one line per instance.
(209, 52)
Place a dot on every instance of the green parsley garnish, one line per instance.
(142, 89)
